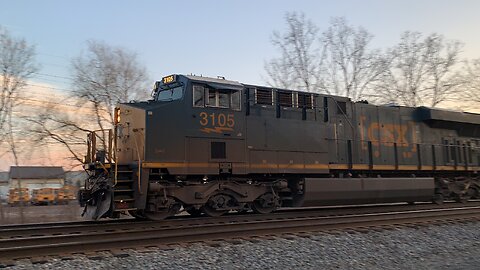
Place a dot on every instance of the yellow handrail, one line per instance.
(139, 161)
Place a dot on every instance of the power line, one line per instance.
(53, 55)
(54, 76)
(54, 65)
(49, 87)
(42, 96)
(42, 102)
(48, 80)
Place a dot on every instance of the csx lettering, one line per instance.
(387, 134)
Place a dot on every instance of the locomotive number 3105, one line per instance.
(217, 119)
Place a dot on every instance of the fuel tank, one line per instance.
(342, 191)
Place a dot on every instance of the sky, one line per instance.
(216, 38)
(213, 37)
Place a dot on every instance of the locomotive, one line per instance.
(208, 146)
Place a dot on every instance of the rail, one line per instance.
(111, 236)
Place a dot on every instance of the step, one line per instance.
(124, 200)
(122, 186)
(125, 209)
(123, 190)
(124, 180)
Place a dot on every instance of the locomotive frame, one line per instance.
(210, 145)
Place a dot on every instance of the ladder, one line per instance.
(123, 191)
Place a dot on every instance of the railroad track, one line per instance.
(36, 241)
(78, 227)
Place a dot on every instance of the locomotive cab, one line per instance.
(192, 130)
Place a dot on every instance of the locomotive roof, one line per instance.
(213, 80)
(429, 114)
(425, 113)
(219, 82)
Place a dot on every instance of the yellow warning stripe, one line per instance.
(316, 166)
(151, 165)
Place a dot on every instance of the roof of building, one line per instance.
(36, 172)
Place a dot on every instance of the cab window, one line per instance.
(198, 93)
(204, 96)
(170, 94)
(235, 97)
(219, 98)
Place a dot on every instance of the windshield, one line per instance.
(170, 94)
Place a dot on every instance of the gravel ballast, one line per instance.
(448, 246)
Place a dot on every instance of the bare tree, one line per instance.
(51, 128)
(17, 64)
(338, 61)
(350, 67)
(471, 89)
(106, 76)
(298, 65)
(424, 71)
(102, 77)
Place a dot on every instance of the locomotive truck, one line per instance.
(210, 145)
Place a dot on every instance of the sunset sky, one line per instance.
(227, 38)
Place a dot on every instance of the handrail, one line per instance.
(109, 145)
(115, 177)
(139, 162)
(344, 115)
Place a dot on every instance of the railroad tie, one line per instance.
(119, 253)
(94, 256)
(7, 263)
(39, 260)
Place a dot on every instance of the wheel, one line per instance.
(160, 209)
(212, 212)
(438, 199)
(136, 214)
(193, 211)
(161, 215)
(472, 193)
(217, 205)
(242, 211)
(265, 204)
(461, 199)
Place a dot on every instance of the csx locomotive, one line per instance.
(210, 145)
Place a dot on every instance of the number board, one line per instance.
(168, 79)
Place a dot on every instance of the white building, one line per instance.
(3, 185)
(36, 177)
